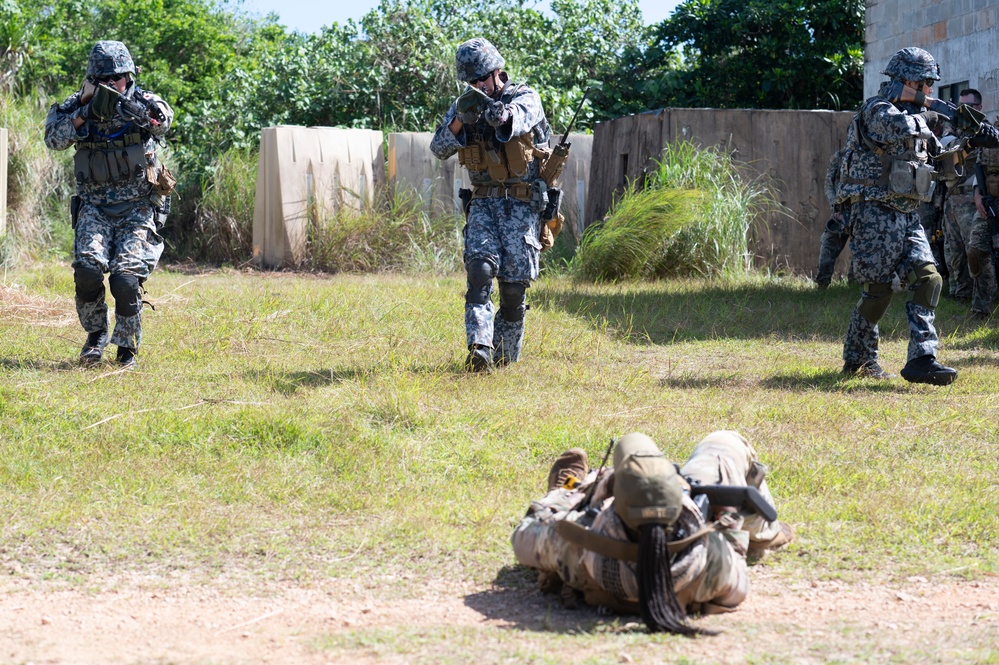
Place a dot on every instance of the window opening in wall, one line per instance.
(952, 91)
(624, 170)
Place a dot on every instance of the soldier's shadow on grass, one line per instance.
(834, 382)
(515, 599)
(16, 364)
(659, 313)
(288, 383)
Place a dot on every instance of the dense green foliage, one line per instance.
(228, 74)
(691, 217)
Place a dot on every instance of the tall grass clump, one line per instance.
(691, 218)
(223, 219)
(39, 184)
(396, 233)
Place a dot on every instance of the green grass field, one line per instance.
(281, 424)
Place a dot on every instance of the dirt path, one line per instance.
(155, 621)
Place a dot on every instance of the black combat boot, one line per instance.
(126, 358)
(93, 348)
(480, 359)
(868, 370)
(926, 369)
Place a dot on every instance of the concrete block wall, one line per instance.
(963, 35)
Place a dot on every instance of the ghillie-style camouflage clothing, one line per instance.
(501, 229)
(116, 225)
(709, 576)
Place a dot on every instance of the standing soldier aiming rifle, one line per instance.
(886, 174)
(499, 131)
(122, 195)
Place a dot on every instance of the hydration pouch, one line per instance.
(74, 210)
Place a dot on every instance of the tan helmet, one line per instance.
(647, 487)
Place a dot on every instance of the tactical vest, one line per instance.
(898, 174)
(989, 159)
(111, 161)
(505, 162)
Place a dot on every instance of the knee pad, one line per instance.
(874, 301)
(480, 273)
(513, 301)
(89, 282)
(125, 289)
(928, 284)
(976, 258)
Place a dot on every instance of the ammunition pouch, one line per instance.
(161, 179)
(911, 179)
(101, 162)
(508, 161)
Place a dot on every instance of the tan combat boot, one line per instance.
(569, 469)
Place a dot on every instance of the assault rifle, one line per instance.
(964, 118)
(744, 497)
(141, 110)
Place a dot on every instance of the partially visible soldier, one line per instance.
(122, 195)
(930, 212)
(632, 539)
(959, 215)
(500, 133)
(984, 233)
(836, 233)
(885, 176)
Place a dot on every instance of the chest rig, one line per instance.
(901, 168)
(505, 162)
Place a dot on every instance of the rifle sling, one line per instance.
(619, 549)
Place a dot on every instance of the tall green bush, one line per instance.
(692, 216)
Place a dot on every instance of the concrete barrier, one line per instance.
(304, 176)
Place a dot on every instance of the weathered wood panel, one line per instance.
(3, 181)
(789, 148)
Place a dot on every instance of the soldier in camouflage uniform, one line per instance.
(836, 233)
(708, 572)
(885, 175)
(122, 195)
(500, 133)
(980, 244)
(959, 215)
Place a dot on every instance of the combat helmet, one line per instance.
(108, 58)
(912, 64)
(476, 58)
(647, 487)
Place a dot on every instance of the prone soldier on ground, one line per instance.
(648, 539)
(122, 195)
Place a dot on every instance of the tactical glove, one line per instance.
(987, 137)
(932, 119)
(496, 113)
(103, 104)
(968, 120)
(469, 105)
(87, 91)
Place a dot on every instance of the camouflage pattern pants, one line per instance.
(504, 232)
(834, 238)
(984, 278)
(886, 242)
(959, 217)
(120, 239)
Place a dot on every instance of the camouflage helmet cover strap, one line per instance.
(477, 58)
(109, 58)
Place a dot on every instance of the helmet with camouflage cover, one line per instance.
(912, 64)
(108, 58)
(647, 487)
(476, 58)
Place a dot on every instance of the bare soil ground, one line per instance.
(138, 619)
